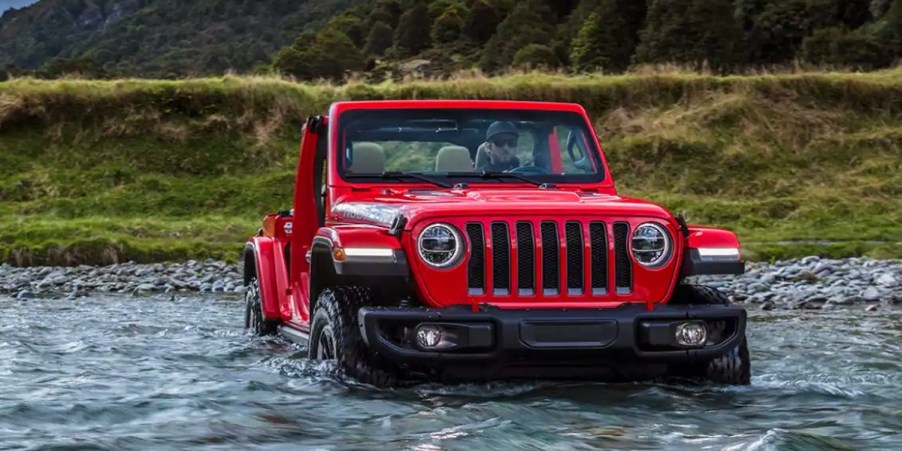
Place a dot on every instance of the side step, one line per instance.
(294, 335)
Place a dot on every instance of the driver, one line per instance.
(501, 144)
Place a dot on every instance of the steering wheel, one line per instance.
(529, 170)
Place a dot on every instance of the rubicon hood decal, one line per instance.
(380, 214)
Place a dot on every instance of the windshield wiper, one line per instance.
(398, 175)
(501, 175)
(509, 175)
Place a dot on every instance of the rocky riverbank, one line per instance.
(814, 283)
(807, 283)
(79, 281)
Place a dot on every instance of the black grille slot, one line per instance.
(622, 267)
(574, 258)
(525, 259)
(550, 251)
(476, 266)
(599, 241)
(501, 274)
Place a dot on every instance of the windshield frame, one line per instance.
(566, 117)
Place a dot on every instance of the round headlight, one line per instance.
(651, 244)
(440, 245)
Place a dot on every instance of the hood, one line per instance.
(382, 208)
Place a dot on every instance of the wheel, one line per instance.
(335, 335)
(253, 311)
(732, 368)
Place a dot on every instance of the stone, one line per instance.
(25, 294)
(886, 280)
(871, 295)
(146, 287)
(809, 260)
(823, 267)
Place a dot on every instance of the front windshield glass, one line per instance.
(459, 144)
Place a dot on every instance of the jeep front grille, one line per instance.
(574, 258)
(476, 270)
(526, 259)
(622, 268)
(566, 258)
(500, 258)
(550, 268)
(599, 240)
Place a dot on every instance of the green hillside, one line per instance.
(103, 171)
(154, 38)
(378, 39)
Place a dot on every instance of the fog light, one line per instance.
(429, 336)
(691, 334)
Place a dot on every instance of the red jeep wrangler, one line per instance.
(473, 240)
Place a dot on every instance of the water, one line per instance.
(142, 373)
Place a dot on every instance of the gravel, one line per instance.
(129, 278)
(814, 283)
(809, 283)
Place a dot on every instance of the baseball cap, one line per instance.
(500, 127)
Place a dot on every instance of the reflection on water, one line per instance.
(123, 372)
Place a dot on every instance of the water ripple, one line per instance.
(118, 372)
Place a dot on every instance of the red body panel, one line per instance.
(710, 237)
(358, 236)
(267, 274)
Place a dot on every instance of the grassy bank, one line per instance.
(98, 172)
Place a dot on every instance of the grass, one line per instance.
(149, 170)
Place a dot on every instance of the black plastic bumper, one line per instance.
(629, 334)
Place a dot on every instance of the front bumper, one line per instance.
(574, 337)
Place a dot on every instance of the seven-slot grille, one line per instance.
(565, 257)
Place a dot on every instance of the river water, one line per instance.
(122, 372)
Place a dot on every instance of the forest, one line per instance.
(341, 39)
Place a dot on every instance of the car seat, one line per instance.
(482, 158)
(453, 159)
(367, 158)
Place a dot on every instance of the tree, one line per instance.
(836, 46)
(379, 39)
(350, 25)
(527, 24)
(481, 22)
(329, 54)
(690, 31)
(412, 34)
(447, 27)
(535, 56)
(604, 41)
(387, 11)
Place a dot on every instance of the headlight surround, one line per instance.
(440, 245)
(651, 245)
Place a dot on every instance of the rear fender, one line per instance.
(711, 251)
(261, 250)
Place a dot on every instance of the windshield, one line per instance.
(454, 145)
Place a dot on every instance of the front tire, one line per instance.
(335, 335)
(732, 368)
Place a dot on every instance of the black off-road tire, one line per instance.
(253, 311)
(732, 368)
(335, 335)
